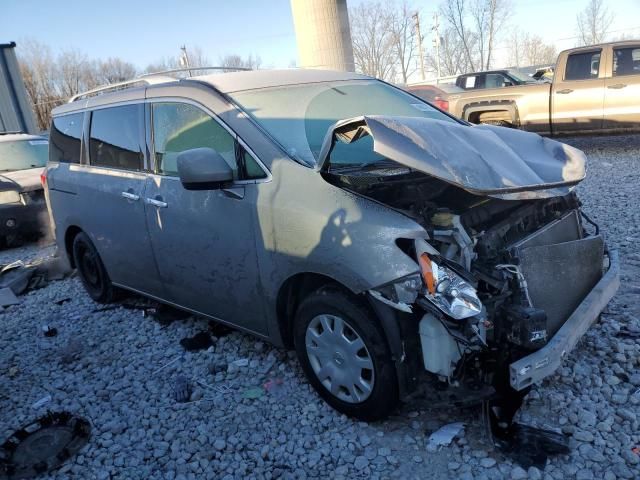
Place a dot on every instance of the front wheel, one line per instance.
(344, 354)
(94, 276)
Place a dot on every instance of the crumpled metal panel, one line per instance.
(560, 276)
(565, 229)
(483, 159)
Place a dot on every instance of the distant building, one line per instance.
(16, 114)
(323, 34)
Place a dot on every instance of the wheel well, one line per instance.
(69, 236)
(292, 292)
(490, 115)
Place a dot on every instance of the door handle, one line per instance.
(156, 203)
(130, 196)
(565, 91)
(617, 86)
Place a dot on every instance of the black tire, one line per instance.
(498, 123)
(333, 301)
(91, 270)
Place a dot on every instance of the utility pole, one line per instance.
(184, 59)
(417, 19)
(436, 40)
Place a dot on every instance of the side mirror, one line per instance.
(203, 169)
(508, 83)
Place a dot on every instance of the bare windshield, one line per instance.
(299, 116)
(23, 154)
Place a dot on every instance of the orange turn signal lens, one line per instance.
(427, 273)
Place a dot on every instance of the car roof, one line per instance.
(12, 137)
(225, 83)
(255, 79)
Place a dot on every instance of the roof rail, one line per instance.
(111, 87)
(147, 79)
(191, 69)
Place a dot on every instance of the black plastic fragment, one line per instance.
(182, 389)
(43, 445)
(530, 446)
(200, 341)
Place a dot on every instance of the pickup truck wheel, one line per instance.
(344, 354)
(92, 273)
(498, 123)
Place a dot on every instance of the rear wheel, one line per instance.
(497, 118)
(498, 123)
(92, 273)
(344, 354)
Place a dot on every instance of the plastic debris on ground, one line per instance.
(49, 331)
(8, 297)
(200, 341)
(530, 446)
(276, 387)
(444, 436)
(20, 277)
(219, 330)
(182, 389)
(253, 393)
(43, 445)
(42, 402)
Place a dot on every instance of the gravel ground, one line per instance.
(117, 368)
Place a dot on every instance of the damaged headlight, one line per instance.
(449, 291)
(9, 196)
(399, 294)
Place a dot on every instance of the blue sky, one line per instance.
(143, 32)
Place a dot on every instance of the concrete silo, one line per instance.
(323, 34)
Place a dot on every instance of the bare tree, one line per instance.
(373, 46)
(476, 25)
(594, 22)
(403, 39)
(195, 56)
(114, 70)
(455, 13)
(528, 50)
(50, 80)
(453, 58)
(488, 17)
(38, 71)
(236, 61)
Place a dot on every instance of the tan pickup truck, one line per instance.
(594, 89)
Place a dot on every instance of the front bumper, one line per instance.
(23, 219)
(544, 362)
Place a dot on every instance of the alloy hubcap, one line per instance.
(339, 358)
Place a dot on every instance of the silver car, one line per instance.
(396, 248)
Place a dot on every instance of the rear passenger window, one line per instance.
(115, 137)
(64, 139)
(582, 66)
(626, 61)
(179, 126)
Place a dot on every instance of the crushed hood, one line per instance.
(21, 180)
(482, 159)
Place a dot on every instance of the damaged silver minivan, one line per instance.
(398, 250)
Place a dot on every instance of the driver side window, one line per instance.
(180, 126)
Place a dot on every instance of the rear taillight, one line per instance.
(441, 104)
(43, 178)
